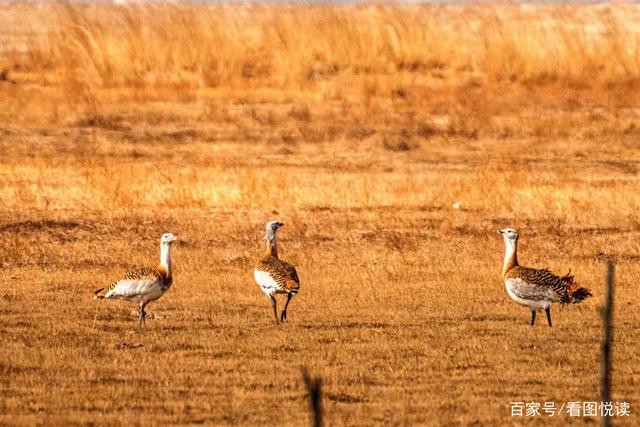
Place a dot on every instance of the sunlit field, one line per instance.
(392, 142)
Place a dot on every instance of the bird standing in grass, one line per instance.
(275, 276)
(534, 288)
(145, 284)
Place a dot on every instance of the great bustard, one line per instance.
(534, 288)
(275, 276)
(145, 284)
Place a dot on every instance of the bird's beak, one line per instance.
(500, 232)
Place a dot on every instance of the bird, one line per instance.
(144, 285)
(535, 288)
(275, 276)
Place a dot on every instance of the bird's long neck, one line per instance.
(272, 246)
(510, 256)
(165, 257)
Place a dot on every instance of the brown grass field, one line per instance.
(393, 141)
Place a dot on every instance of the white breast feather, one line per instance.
(138, 290)
(539, 303)
(265, 281)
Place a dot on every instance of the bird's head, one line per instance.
(168, 238)
(509, 234)
(271, 228)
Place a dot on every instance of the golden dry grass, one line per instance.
(359, 128)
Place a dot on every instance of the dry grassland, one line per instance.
(360, 127)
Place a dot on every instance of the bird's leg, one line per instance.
(283, 317)
(548, 310)
(533, 317)
(141, 322)
(275, 307)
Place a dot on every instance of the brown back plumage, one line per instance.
(563, 286)
(284, 274)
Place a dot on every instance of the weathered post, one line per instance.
(607, 314)
(314, 387)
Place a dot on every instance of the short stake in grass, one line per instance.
(607, 315)
(314, 387)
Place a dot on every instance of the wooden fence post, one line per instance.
(314, 387)
(607, 314)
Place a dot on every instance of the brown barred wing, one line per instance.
(284, 274)
(544, 278)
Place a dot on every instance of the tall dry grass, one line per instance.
(306, 46)
(466, 67)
